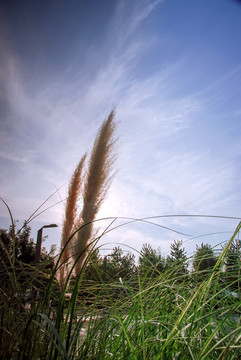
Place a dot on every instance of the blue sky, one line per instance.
(172, 70)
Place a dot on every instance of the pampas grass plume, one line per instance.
(97, 183)
(70, 217)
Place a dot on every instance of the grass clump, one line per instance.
(162, 314)
(82, 306)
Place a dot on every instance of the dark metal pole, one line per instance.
(39, 241)
(104, 269)
(38, 245)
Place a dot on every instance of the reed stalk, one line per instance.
(97, 183)
(71, 211)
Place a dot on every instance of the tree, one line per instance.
(22, 255)
(25, 248)
(24, 245)
(94, 268)
(177, 259)
(232, 273)
(204, 260)
(151, 262)
(119, 265)
(22, 282)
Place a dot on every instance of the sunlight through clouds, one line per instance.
(178, 114)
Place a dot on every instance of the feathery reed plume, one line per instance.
(97, 183)
(70, 217)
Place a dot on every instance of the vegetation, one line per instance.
(178, 258)
(69, 224)
(204, 261)
(80, 305)
(233, 266)
(117, 309)
(22, 283)
(91, 189)
(151, 262)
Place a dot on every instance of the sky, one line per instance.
(172, 71)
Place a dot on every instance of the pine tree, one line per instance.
(233, 266)
(177, 259)
(151, 262)
(204, 261)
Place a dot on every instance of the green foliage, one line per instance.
(24, 245)
(119, 265)
(158, 318)
(151, 262)
(232, 273)
(94, 268)
(177, 259)
(204, 261)
(90, 287)
(22, 283)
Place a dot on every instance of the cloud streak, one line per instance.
(164, 165)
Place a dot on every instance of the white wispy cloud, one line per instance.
(50, 124)
(53, 120)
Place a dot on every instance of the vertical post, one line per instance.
(38, 245)
(104, 268)
(39, 240)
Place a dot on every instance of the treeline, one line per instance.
(21, 276)
(119, 264)
(151, 264)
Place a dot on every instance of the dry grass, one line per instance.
(71, 210)
(91, 187)
(97, 183)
